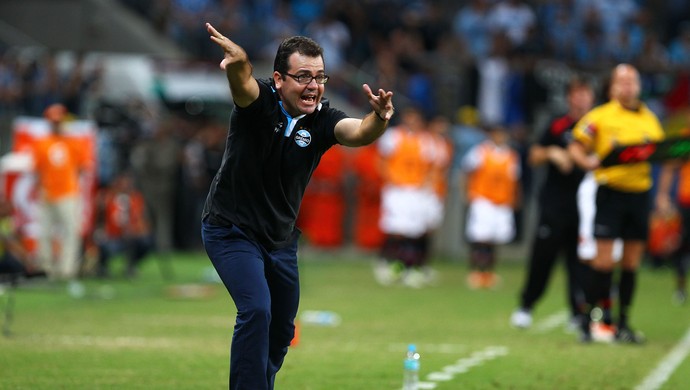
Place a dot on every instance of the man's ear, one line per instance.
(277, 79)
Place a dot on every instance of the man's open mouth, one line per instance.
(309, 98)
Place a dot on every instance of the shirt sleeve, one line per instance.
(333, 116)
(261, 104)
(585, 130)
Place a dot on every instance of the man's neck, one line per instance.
(632, 105)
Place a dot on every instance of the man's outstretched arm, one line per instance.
(238, 69)
(357, 132)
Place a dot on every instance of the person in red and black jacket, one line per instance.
(557, 230)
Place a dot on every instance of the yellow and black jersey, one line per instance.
(611, 125)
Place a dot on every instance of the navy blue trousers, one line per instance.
(265, 288)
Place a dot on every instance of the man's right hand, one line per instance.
(238, 69)
(233, 52)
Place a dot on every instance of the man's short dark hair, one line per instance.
(300, 44)
(577, 82)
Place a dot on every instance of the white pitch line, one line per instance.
(666, 367)
(551, 322)
(462, 366)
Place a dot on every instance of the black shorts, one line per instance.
(621, 214)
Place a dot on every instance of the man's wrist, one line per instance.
(380, 117)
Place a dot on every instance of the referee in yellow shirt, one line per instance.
(622, 200)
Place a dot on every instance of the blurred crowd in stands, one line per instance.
(476, 62)
(435, 52)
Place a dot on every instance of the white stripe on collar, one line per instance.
(293, 121)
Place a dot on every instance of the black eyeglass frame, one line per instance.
(305, 79)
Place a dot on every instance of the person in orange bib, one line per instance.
(407, 158)
(58, 161)
(493, 185)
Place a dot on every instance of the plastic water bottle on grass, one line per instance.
(411, 369)
(320, 318)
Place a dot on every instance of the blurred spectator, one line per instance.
(653, 55)
(560, 27)
(672, 13)
(58, 162)
(41, 84)
(186, 24)
(622, 47)
(471, 26)
(612, 15)
(639, 26)
(679, 48)
(10, 84)
(78, 84)
(155, 162)
(433, 24)
(124, 225)
(420, 89)
(383, 68)
(307, 11)
(590, 49)
(282, 26)
(201, 158)
(466, 133)
(493, 75)
(334, 36)
(513, 18)
(235, 17)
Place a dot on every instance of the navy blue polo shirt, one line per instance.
(268, 161)
(559, 191)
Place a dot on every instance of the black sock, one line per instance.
(589, 287)
(626, 291)
(599, 286)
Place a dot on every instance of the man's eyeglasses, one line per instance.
(305, 79)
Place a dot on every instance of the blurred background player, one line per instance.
(622, 202)
(493, 167)
(406, 152)
(125, 226)
(557, 230)
(667, 205)
(602, 326)
(58, 162)
(15, 260)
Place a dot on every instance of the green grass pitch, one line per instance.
(134, 335)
